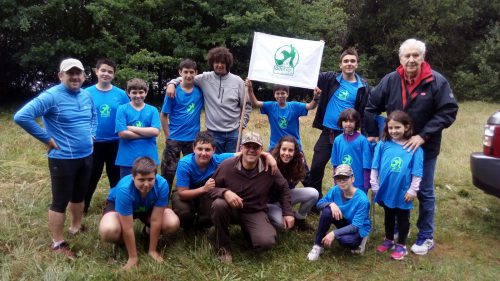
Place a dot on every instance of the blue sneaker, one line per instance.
(385, 246)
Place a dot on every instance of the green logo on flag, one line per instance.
(286, 59)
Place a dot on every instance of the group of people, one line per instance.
(222, 179)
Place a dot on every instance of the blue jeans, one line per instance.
(225, 142)
(427, 199)
(351, 240)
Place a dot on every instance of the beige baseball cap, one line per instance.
(343, 170)
(252, 137)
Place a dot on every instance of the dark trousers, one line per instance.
(104, 152)
(351, 240)
(192, 213)
(70, 179)
(171, 156)
(321, 156)
(402, 217)
(255, 226)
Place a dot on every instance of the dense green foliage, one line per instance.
(148, 38)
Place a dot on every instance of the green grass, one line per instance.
(467, 221)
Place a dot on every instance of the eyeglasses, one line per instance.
(342, 178)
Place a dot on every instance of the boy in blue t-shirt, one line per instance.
(283, 116)
(346, 207)
(107, 97)
(142, 195)
(180, 120)
(137, 125)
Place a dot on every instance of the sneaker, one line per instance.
(315, 252)
(303, 225)
(422, 246)
(361, 248)
(399, 252)
(64, 249)
(224, 255)
(385, 246)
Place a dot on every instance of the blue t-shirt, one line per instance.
(343, 98)
(396, 166)
(283, 121)
(356, 154)
(68, 117)
(189, 174)
(128, 200)
(106, 103)
(130, 149)
(184, 113)
(355, 210)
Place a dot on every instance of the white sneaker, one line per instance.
(314, 253)
(361, 248)
(422, 247)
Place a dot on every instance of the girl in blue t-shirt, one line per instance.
(395, 179)
(353, 149)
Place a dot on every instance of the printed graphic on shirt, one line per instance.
(190, 108)
(105, 110)
(283, 123)
(138, 124)
(396, 164)
(343, 95)
(347, 160)
(141, 209)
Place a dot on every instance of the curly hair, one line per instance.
(220, 54)
(292, 171)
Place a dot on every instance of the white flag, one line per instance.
(286, 61)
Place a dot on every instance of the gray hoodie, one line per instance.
(223, 100)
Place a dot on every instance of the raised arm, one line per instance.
(314, 102)
(255, 102)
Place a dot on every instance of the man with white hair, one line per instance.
(70, 124)
(427, 97)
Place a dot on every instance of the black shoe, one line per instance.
(302, 225)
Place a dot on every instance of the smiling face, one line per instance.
(188, 75)
(348, 64)
(344, 182)
(137, 97)
(250, 153)
(411, 59)
(105, 74)
(220, 68)
(281, 97)
(144, 183)
(203, 153)
(73, 78)
(287, 150)
(396, 130)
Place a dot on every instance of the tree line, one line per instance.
(149, 38)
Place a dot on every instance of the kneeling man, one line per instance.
(142, 195)
(241, 193)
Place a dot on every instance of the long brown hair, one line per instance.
(401, 117)
(292, 171)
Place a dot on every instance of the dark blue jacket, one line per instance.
(432, 109)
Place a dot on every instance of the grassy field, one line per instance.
(467, 226)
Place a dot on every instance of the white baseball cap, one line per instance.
(68, 64)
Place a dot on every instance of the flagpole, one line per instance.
(240, 129)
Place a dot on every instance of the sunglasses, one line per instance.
(341, 178)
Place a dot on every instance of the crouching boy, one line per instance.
(142, 195)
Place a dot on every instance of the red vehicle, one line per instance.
(485, 166)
